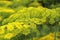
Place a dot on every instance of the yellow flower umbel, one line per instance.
(2, 31)
(6, 10)
(43, 20)
(48, 37)
(26, 29)
(18, 25)
(10, 27)
(8, 36)
(51, 21)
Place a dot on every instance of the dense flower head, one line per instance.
(29, 20)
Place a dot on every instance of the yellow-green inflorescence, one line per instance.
(18, 21)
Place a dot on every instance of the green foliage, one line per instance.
(4, 13)
(55, 6)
